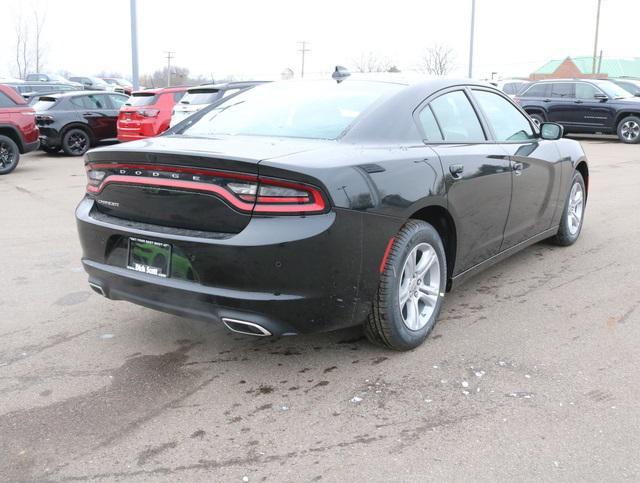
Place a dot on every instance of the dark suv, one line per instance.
(74, 121)
(584, 106)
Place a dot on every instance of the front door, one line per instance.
(535, 168)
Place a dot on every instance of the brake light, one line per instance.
(148, 112)
(245, 192)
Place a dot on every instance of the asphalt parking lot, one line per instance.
(533, 372)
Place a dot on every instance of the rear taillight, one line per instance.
(245, 192)
(148, 112)
(44, 119)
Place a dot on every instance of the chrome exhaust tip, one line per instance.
(97, 288)
(244, 327)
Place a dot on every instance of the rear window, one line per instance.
(44, 103)
(6, 101)
(200, 96)
(142, 99)
(315, 110)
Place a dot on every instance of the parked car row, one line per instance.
(18, 131)
(584, 106)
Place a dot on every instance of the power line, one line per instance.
(170, 55)
(303, 50)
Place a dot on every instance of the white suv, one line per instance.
(202, 96)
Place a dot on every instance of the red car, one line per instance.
(18, 131)
(147, 113)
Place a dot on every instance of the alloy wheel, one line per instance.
(575, 209)
(7, 156)
(630, 130)
(419, 286)
(78, 143)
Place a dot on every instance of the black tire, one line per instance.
(51, 149)
(567, 234)
(537, 118)
(629, 130)
(385, 325)
(9, 155)
(76, 142)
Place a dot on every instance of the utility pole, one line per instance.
(595, 42)
(170, 55)
(134, 47)
(303, 50)
(473, 23)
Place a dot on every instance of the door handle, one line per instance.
(546, 100)
(578, 102)
(456, 170)
(517, 167)
(90, 114)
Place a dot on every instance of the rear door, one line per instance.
(561, 107)
(535, 167)
(477, 175)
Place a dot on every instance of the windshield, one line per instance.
(316, 110)
(200, 96)
(141, 100)
(614, 90)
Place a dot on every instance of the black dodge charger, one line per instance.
(298, 207)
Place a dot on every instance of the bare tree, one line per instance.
(38, 49)
(437, 60)
(371, 62)
(180, 75)
(23, 59)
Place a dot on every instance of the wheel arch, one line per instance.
(12, 133)
(536, 110)
(440, 218)
(620, 116)
(583, 169)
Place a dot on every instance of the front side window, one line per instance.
(586, 91)
(508, 123)
(457, 118)
(315, 110)
(562, 90)
(117, 101)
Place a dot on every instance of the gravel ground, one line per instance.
(531, 374)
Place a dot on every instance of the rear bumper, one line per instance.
(28, 147)
(49, 137)
(289, 274)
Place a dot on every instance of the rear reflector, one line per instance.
(245, 192)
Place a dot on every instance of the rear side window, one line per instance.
(178, 95)
(6, 101)
(562, 90)
(457, 118)
(430, 125)
(508, 123)
(142, 99)
(537, 90)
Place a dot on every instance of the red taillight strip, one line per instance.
(172, 183)
(174, 169)
(387, 251)
(284, 204)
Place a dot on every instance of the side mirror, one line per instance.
(601, 97)
(551, 131)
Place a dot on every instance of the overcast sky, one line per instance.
(259, 37)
